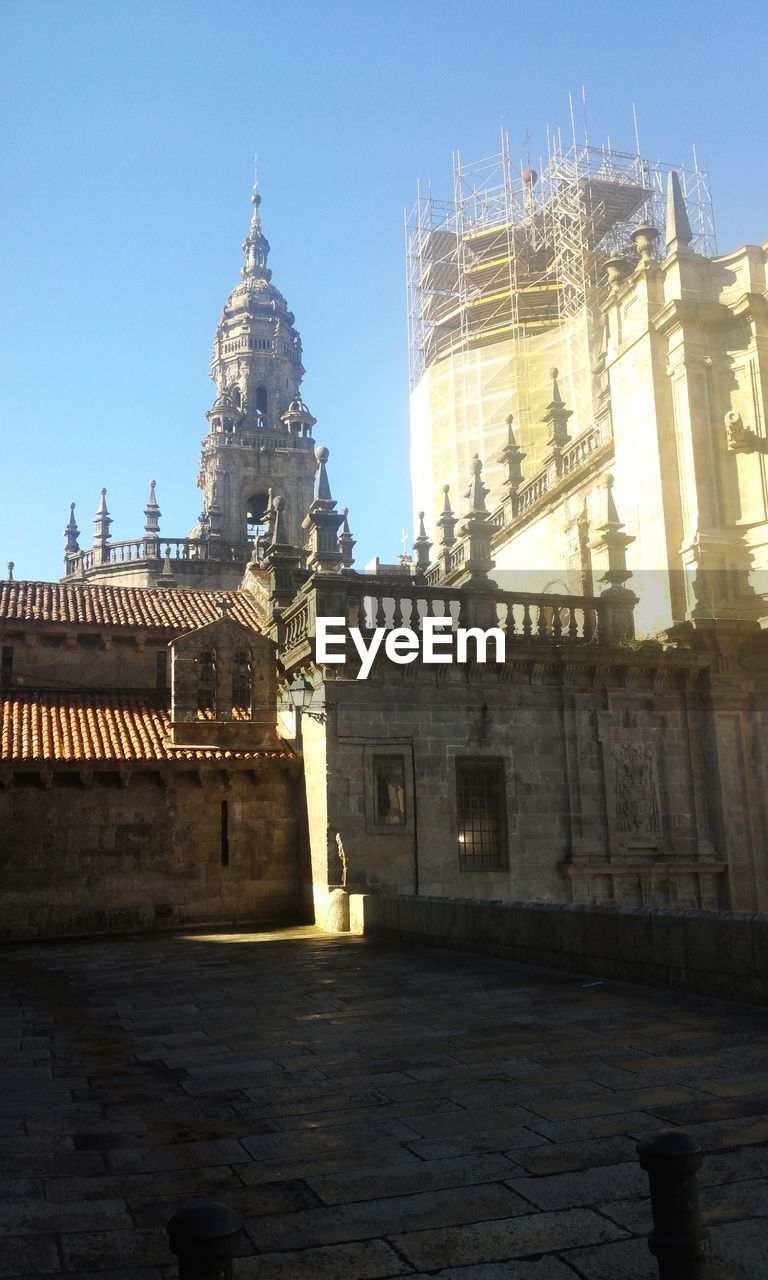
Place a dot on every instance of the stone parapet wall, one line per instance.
(712, 953)
(210, 575)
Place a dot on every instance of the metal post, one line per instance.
(678, 1240)
(204, 1237)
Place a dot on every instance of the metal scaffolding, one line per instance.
(516, 254)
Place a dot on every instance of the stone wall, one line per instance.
(48, 659)
(717, 953)
(193, 574)
(150, 854)
(606, 794)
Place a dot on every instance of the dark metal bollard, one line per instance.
(204, 1237)
(679, 1241)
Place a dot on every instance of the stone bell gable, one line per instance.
(223, 687)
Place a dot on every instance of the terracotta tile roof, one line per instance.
(81, 604)
(88, 728)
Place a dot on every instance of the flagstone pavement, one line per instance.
(371, 1110)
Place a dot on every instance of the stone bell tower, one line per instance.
(260, 441)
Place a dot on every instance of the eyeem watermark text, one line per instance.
(436, 642)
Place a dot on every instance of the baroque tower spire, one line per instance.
(257, 371)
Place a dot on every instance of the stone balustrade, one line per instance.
(519, 507)
(367, 602)
(257, 440)
(142, 549)
(530, 494)
(579, 453)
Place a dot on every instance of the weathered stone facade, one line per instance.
(631, 772)
(100, 849)
(116, 814)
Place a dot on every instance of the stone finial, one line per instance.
(11, 567)
(152, 513)
(256, 245)
(478, 531)
(256, 204)
(645, 237)
(611, 514)
(477, 490)
(346, 541)
(166, 578)
(617, 269)
(422, 546)
(511, 457)
(262, 542)
(323, 521)
(322, 490)
(102, 520)
(278, 520)
(446, 522)
(613, 541)
(557, 415)
(678, 231)
(281, 558)
(71, 532)
(616, 621)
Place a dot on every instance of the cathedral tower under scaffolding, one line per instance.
(504, 284)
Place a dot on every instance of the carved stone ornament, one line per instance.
(740, 438)
(637, 795)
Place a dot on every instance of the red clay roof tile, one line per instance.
(82, 604)
(78, 727)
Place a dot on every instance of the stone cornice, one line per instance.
(681, 312)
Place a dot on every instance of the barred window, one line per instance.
(481, 812)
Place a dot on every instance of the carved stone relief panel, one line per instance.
(637, 807)
(637, 803)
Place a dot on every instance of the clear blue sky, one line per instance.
(130, 130)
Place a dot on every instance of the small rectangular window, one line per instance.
(6, 665)
(389, 790)
(481, 813)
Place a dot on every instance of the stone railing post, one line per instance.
(678, 1240)
(204, 1238)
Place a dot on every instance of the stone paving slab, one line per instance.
(435, 1175)
(372, 1111)
(509, 1238)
